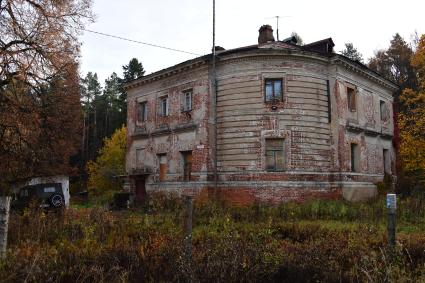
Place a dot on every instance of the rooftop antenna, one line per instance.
(277, 24)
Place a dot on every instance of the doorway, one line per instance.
(140, 190)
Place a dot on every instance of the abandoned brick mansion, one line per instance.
(268, 122)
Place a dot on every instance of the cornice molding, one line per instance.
(168, 72)
(364, 72)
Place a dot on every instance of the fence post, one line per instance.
(392, 208)
(4, 223)
(188, 226)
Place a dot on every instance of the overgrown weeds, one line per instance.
(318, 241)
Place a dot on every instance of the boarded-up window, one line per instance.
(162, 159)
(355, 158)
(186, 101)
(351, 99)
(273, 90)
(275, 154)
(187, 165)
(142, 111)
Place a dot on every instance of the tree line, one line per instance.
(104, 111)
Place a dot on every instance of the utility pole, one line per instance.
(214, 90)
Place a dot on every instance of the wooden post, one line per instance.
(188, 226)
(4, 222)
(392, 208)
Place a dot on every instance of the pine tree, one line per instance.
(351, 52)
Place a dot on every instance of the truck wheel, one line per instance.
(56, 200)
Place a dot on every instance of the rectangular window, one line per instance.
(351, 99)
(142, 115)
(186, 101)
(49, 190)
(273, 90)
(383, 111)
(187, 165)
(139, 157)
(386, 161)
(163, 106)
(275, 154)
(162, 160)
(355, 156)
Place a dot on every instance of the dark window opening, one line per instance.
(351, 99)
(383, 111)
(354, 157)
(187, 165)
(142, 111)
(163, 106)
(275, 154)
(386, 161)
(187, 101)
(273, 90)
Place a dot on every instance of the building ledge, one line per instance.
(356, 128)
(163, 130)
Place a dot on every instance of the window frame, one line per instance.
(161, 108)
(163, 170)
(386, 160)
(273, 80)
(351, 98)
(187, 165)
(185, 93)
(354, 157)
(142, 113)
(383, 108)
(275, 150)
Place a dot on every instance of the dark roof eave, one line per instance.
(168, 71)
(362, 66)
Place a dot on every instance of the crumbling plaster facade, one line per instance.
(321, 136)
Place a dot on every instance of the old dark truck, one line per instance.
(49, 195)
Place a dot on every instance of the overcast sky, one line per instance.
(187, 25)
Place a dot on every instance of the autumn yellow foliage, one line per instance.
(412, 119)
(108, 165)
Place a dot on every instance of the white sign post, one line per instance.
(391, 208)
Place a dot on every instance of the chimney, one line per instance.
(265, 34)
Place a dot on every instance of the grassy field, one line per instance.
(317, 241)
